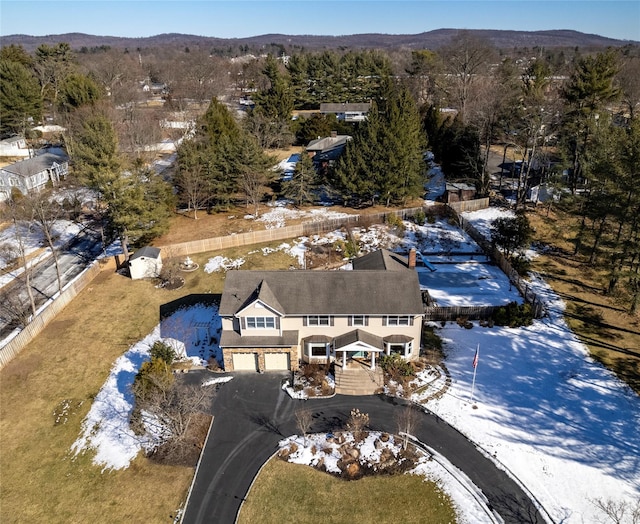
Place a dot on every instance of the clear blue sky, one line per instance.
(242, 18)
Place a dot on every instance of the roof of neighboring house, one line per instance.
(329, 143)
(381, 259)
(146, 251)
(343, 108)
(12, 140)
(457, 186)
(35, 165)
(300, 292)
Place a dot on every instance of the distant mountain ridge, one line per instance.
(429, 40)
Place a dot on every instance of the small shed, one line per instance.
(145, 263)
(458, 192)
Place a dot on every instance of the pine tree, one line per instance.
(303, 186)
(136, 203)
(20, 99)
(384, 159)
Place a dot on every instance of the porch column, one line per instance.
(373, 360)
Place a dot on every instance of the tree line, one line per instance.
(569, 116)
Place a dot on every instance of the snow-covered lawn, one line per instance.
(280, 213)
(105, 430)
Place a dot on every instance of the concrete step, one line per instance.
(358, 381)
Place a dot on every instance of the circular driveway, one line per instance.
(252, 414)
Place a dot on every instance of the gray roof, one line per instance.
(374, 292)
(342, 108)
(146, 251)
(358, 335)
(232, 339)
(381, 259)
(328, 143)
(35, 165)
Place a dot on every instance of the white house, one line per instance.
(145, 263)
(14, 146)
(33, 174)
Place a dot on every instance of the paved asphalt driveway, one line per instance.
(252, 414)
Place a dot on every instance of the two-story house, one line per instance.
(273, 320)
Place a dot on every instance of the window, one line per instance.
(397, 320)
(315, 349)
(318, 320)
(261, 322)
(359, 320)
(403, 350)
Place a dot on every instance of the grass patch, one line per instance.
(285, 492)
(46, 391)
(601, 321)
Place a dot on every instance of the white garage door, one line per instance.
(276, 361)
(245, 361)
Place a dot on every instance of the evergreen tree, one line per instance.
(385, 158)
(20, 99)
(136, 203)
(303, 186)
(78, 90)
(590, 87)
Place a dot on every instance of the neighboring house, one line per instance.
(542, 193)
(457, 192)
(14, 146)
(325, 151)
(347, 112)
(33, 174)
(272, 320)
(145, 263)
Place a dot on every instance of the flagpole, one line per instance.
(475, 368)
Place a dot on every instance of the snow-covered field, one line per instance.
(556, 420)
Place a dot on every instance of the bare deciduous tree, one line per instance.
(407, 421)
(46, 213)
(176, 410)
(619, 512)
(304, 419)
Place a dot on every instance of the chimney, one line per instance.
(412, 258)
(334, 134)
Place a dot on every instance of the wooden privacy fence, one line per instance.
(501, 261)
(47, 313)
(282, 233)
(469, 205)
(454, 313)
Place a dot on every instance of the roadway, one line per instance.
(72, 260)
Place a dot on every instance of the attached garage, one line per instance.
(276, 361)
(245, 362)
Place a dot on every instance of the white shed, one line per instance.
(145, 263)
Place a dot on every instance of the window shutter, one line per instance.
(277, 322)
(350, 321)
(366, 321)
(304, 321)
(384, 321)
(331, 321)
(411, 321)
(243, 322)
